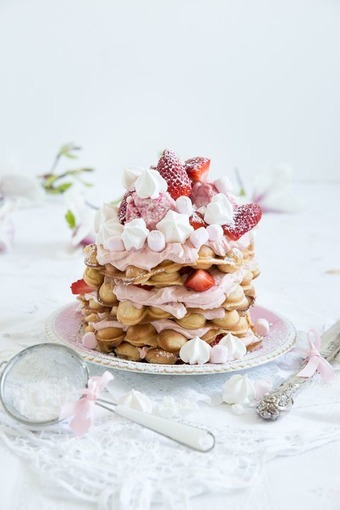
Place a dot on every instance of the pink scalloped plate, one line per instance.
(64, 327)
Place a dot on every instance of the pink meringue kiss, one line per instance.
(215, 232)
(199, 237)
(156, 240)
(114, 244)
(261, 327)
(184, 205)
(89, 340)
(223, 185)
(219, 354)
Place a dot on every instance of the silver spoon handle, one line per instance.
(274, 403)
(280, 400)
(196, 438)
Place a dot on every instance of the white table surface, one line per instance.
(299, 255)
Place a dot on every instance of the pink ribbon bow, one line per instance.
(315, 362)
(82, 410)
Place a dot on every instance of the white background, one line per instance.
(245, 82)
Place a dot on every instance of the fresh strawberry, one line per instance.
(246, 217)
(144, 287)
(81, 287)
(172, 170)
(122, 207)
(185, 270)
(216, 340)
(197, 168)
(200, 280)
(197, 221)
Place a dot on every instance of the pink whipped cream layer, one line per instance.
(108, 324)
(176, 252)
(176, 300)
(188, 333)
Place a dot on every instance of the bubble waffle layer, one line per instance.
(157, 341)
(104, 300)
(167, 272)
(147, 329)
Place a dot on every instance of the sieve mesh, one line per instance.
(39, 380)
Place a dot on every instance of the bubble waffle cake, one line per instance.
(174, 263)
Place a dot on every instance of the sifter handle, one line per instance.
(198, 439)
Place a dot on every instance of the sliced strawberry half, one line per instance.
(200, 280)
(172, 170)
(246, 217)
(217, 340)
(123, 205)
(81, 287)
(197, 168)
(197, 221)
(185, 270)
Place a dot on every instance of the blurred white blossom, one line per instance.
(6, 226)
(16, 190)
(273, 190)
(21, 189)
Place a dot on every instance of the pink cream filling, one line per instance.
(184, 253)
(188, 333)
(108, 324)
(146, 258)
(216, 313)
(170, 297)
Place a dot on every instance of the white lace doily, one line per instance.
(118, 464)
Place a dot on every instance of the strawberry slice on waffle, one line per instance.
(199, 280)
(81, 287)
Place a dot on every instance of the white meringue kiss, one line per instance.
(156, 240)
(175, 227)
(195, 351)
(261, 327)
(219, 211)
(199, 237)
(134, 234)
(236, 348)
(219, 354)
(184, 205)
(105, 213)
(130, 176)
(89, 340)
(215, 232)
(111, 228)
(223, 185)
(136, 400)
(150, 184)
(239, 389)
